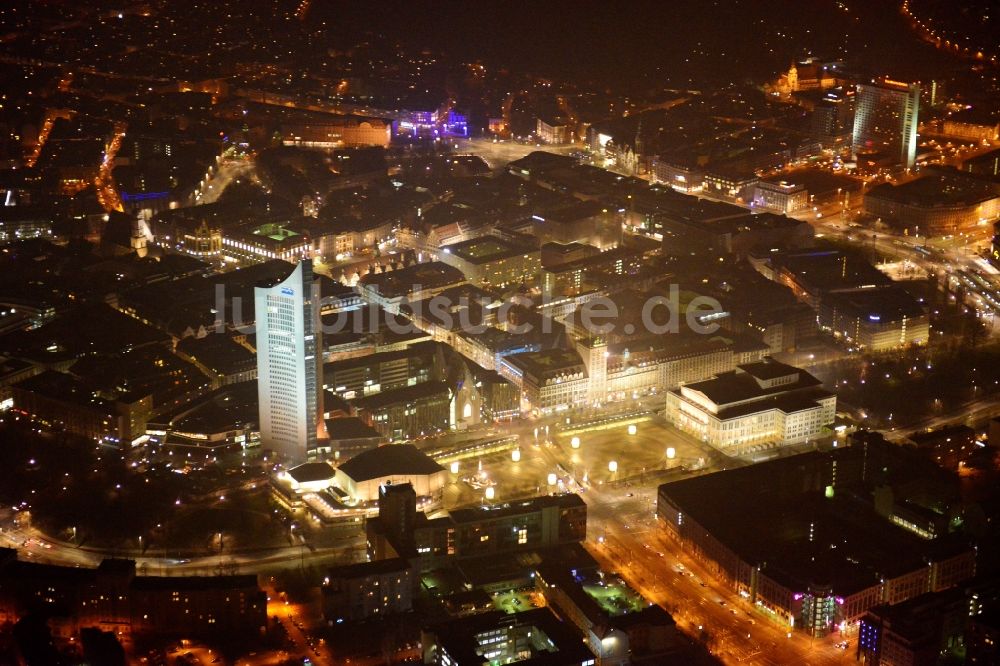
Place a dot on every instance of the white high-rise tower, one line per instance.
(289, 364)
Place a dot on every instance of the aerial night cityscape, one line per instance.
(468, 334)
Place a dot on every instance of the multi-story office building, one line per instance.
(488, 530)
(683, 174)
(833, 119)
(61, 400)
(413, 283)
(582, 222)
(731, 184)
(534, 636)
(384, 371)
(113, 598)
(552, 131)
(917, 631)
(974, 124)
(409, 411)
(368, 590)
(941, 204)
(289, 366)
(885, 120)
(486, 348)
(759, 403)
(876, 319)
(490, 261)
(853, 300)
(780, 197)
(252, 244)
(617, 623)
(805, 542)
(987, 164)
(329, 131)
(550, 380)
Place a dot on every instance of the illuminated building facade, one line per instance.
(288, 364)
(764, 402)
(801, 547)
(489, 530)
(493, 261)
(553, 133)
(408, 412)
(368, 589)
(780, 197)
(885, 120)
(940, 204)
(534, 636)
(338, 132)
(551, 380)
(113, 598)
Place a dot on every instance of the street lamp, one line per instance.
(575, 442)
(490, 493)
(454, 467)
(632, 428)
(515, 455)
(613, 466)
(552, 478)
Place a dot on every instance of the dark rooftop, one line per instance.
(350, 427)
(458, 638)
(935, 191)
(405, 394)
(485, 249)
(547, 362)
(389, 460)
(364, 569)
(312, 471)
(784, 522)
(515, 508)
(400, 282)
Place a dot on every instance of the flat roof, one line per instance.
(514, 508)
(413, 393)
(197, 582)
(735, 386)
(887, 304)
(485, 249)
(801, 537)
(350, 427)
(558, 643)
(829, 269)
(769, 369)
(373, 568)
(400, 282)
(546, 362)
(576, 211)
(936, 191)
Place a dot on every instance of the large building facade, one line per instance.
(288, 365)
(759, 403)
(885, 120)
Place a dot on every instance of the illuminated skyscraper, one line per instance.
(885, 120)
(289, 364)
